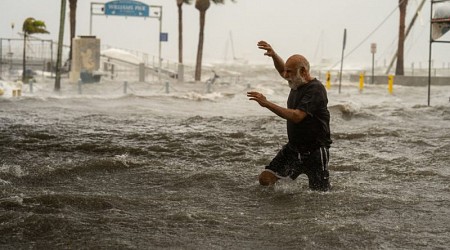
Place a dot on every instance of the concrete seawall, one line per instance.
(404, 80)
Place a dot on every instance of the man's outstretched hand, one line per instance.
(265, 46)
(258, 97)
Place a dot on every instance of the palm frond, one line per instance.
(39, 30)
(38, 23)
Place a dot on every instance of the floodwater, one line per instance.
(155, 170)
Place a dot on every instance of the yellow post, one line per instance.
(328, 84)
(391, 84)
(361, 82)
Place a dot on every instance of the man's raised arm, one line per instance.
(278, 62)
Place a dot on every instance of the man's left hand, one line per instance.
(258, 97)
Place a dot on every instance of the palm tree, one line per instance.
(202, 6)
(73, 24)
(180, 28)
(180, 75)
(30, 26)
(401, 38)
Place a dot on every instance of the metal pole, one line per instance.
(208, 86)
(60, 46)
(342, 59)
(1, 57)
(429, 54)
(90, 22)
(10, 55)
(51, 58)
(80, 88)
(373, 65)
(159, 53)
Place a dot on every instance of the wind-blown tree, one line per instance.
(30, 26)
(202, 6)
(73, 25)
(180, 28)
(399, 70)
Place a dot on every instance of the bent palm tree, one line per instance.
(30, 26)
(202, 6)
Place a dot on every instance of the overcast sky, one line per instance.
(313, 28)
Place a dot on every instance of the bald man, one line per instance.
(308, 124)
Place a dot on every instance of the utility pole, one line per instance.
(406, 34)
(60, 46)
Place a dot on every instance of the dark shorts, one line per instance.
(288, 163)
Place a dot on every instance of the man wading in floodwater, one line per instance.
(308, 125)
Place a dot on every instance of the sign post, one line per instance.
(342, 58)
(373, 50)
(129, 8)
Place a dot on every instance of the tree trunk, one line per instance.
(198, 65)
(201, 6)
(73, 24)
(24, 56)
(401, 38)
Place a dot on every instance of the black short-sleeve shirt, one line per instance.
(313, 131)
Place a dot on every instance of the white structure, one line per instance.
(85, 56)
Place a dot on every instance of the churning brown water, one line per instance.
(151, 170)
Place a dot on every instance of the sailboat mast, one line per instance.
(232, 45)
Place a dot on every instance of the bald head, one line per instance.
(297, 62)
